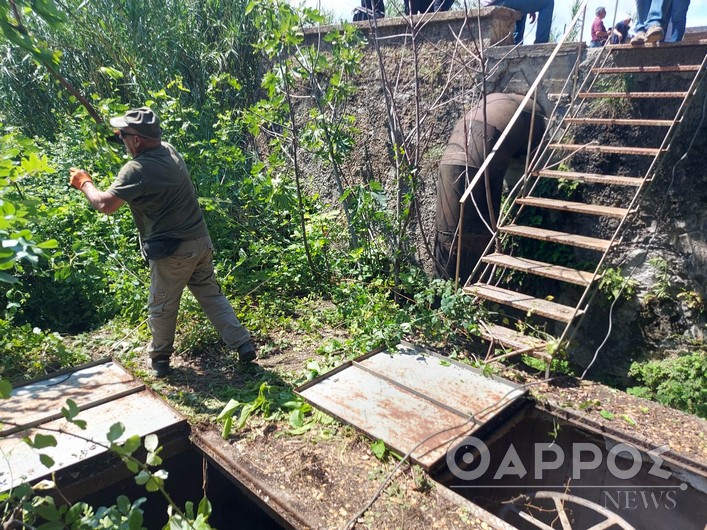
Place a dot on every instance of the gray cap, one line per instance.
(142, 120)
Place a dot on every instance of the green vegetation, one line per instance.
(256, 112)
(679, 381)
(615, 285)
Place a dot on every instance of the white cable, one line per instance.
(650, 241)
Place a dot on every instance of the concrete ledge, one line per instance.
(497, 25)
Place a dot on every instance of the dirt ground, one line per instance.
(329, 475)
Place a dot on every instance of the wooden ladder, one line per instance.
(548, 222)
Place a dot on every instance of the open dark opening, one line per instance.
(231, 507)
(598, 478)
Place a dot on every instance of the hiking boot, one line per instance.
(655, 34)
(160, 367)
(639, 39)
(246, 352)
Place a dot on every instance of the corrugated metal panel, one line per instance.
(105, 393)
(412, 399)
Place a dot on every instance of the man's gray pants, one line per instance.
(190, 266)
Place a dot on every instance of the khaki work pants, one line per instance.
(190, 266)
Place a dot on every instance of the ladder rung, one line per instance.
(631, 95)
(619, 121)
(646, 69)
(547, 270)
(609, 149)
(577, 207)
(511, 338)
(553, 236)
(594, 178)
(525, 302)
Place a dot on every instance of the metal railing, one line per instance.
(581, 13)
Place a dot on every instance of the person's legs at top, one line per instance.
(678, 15)
(640, 28)
(207, 292)
(652, 17)
(543, 8)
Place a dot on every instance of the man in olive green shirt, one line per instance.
(156, 186)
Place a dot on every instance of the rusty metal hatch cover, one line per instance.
(412, 399)
(103, 392)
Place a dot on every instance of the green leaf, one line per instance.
(43, 440)
(71, 410)
(5, 386)
(378, 449)
(628, 419)
(142, 477)
(116, 431)
(47, 510)
(7, 278)
(229, 409)
(296, 418)
(136, 518)
(51, 243)
(131, 465)
(46, 460)
(111, 72)
(227, 426)
(607, 415)
(153, 459)
(204, 507)
(123, 504)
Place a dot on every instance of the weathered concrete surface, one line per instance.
(496, 27)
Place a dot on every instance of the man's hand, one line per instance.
(78, 177)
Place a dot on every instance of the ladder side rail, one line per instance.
(482, 170)
(639, 192)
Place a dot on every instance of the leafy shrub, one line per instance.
(679, 382)
(614, 285)
(27, 352)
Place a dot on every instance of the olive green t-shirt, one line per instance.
(161, 196)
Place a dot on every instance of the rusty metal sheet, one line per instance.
(105, 393)
(42, 400)
(412, 399)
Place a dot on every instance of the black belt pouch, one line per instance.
(160, 248)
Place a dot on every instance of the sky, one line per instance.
(696, 15)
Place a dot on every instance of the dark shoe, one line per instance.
(246, 352)
(655, 34)
(160, 367)
(639, 39)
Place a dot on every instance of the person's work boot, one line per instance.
(655, 34)
(246, 352)
(639, 39)
(160, 367)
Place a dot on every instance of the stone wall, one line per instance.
(448, 83)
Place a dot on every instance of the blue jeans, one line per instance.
(543, 8)
(652, 13)
(678, 15)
